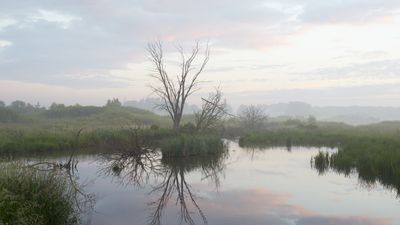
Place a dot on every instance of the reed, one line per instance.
(33, 197)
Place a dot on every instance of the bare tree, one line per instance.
(252, 117)
(212, 111)
(174, 92)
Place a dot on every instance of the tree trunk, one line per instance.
(176, 124)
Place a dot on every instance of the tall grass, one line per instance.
(15, 142)
(31, 197)
(290, 137)
(324, 134)
(27, 142)
(372, 151)
(190, 145)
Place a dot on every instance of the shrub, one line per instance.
(31, 197)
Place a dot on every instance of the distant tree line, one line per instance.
(113, 103)
(60, 111)
(7, 115)
(13, 111)
(22, 107)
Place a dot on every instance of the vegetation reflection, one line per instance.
(137, 166)
(369, 172)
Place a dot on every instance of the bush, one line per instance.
(31, 197)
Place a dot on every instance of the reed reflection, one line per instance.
(368, 173)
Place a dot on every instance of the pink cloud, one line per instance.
(262, 205)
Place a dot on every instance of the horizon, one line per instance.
(189, 104)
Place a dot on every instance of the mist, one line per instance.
(225, 112)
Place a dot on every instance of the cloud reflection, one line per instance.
(259, 206)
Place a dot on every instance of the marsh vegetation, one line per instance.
(38, 194)
(142, 149)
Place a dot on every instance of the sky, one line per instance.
(336, 52)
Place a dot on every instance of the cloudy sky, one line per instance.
(333, 52)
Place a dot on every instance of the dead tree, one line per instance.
(212, 111)
(175, 91)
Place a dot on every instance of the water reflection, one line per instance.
(133, 167)
(167, 177)
(67, 168)
(368, 176)
(261, 206)
(139, 186)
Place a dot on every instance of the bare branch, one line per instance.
(174, 92)
(213, 110)
(253, 117)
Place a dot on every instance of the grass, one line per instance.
(323, 134)
(290, 137)
(76, 117)
(104, 128)
(31, 197)
(55, 130)
(373, 162)
(22, 142)
(17, 142)
(372, 151)
(190, 145)
(321, 162)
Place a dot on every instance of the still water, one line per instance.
(246, 186)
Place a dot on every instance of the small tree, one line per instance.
(113, 103)
(253, 117)
(174, 92)
(54, 106)
(212, 111)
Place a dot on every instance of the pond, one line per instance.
(244, 186)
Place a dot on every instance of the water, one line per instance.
(246, 186)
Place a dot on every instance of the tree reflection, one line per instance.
(132, 167)
(174, 185)
(137, 167)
